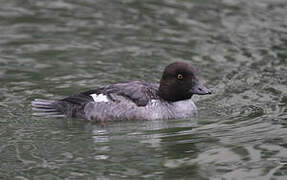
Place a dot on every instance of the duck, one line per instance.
(132, 100)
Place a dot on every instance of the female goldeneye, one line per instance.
(132, 100)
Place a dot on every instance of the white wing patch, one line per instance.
(100, 98)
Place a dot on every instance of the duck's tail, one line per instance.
(46, 108)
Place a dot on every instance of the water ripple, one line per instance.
(49, 49)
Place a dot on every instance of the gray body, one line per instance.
(155, 109)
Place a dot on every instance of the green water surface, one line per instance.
(51, 49)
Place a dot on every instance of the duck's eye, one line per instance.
(179, 76)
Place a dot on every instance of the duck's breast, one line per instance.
(158, 109)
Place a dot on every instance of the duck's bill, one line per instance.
(200, 89)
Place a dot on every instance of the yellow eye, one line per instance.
(179, 76)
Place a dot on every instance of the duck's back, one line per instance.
(102, 104)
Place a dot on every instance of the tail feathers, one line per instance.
(47, 108)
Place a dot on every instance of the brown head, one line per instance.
(179, 82)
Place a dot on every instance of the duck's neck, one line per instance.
(172, 94)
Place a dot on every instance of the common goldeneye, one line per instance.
(134, 100)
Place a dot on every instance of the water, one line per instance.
(50, 49)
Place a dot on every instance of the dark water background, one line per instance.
(50, 49)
